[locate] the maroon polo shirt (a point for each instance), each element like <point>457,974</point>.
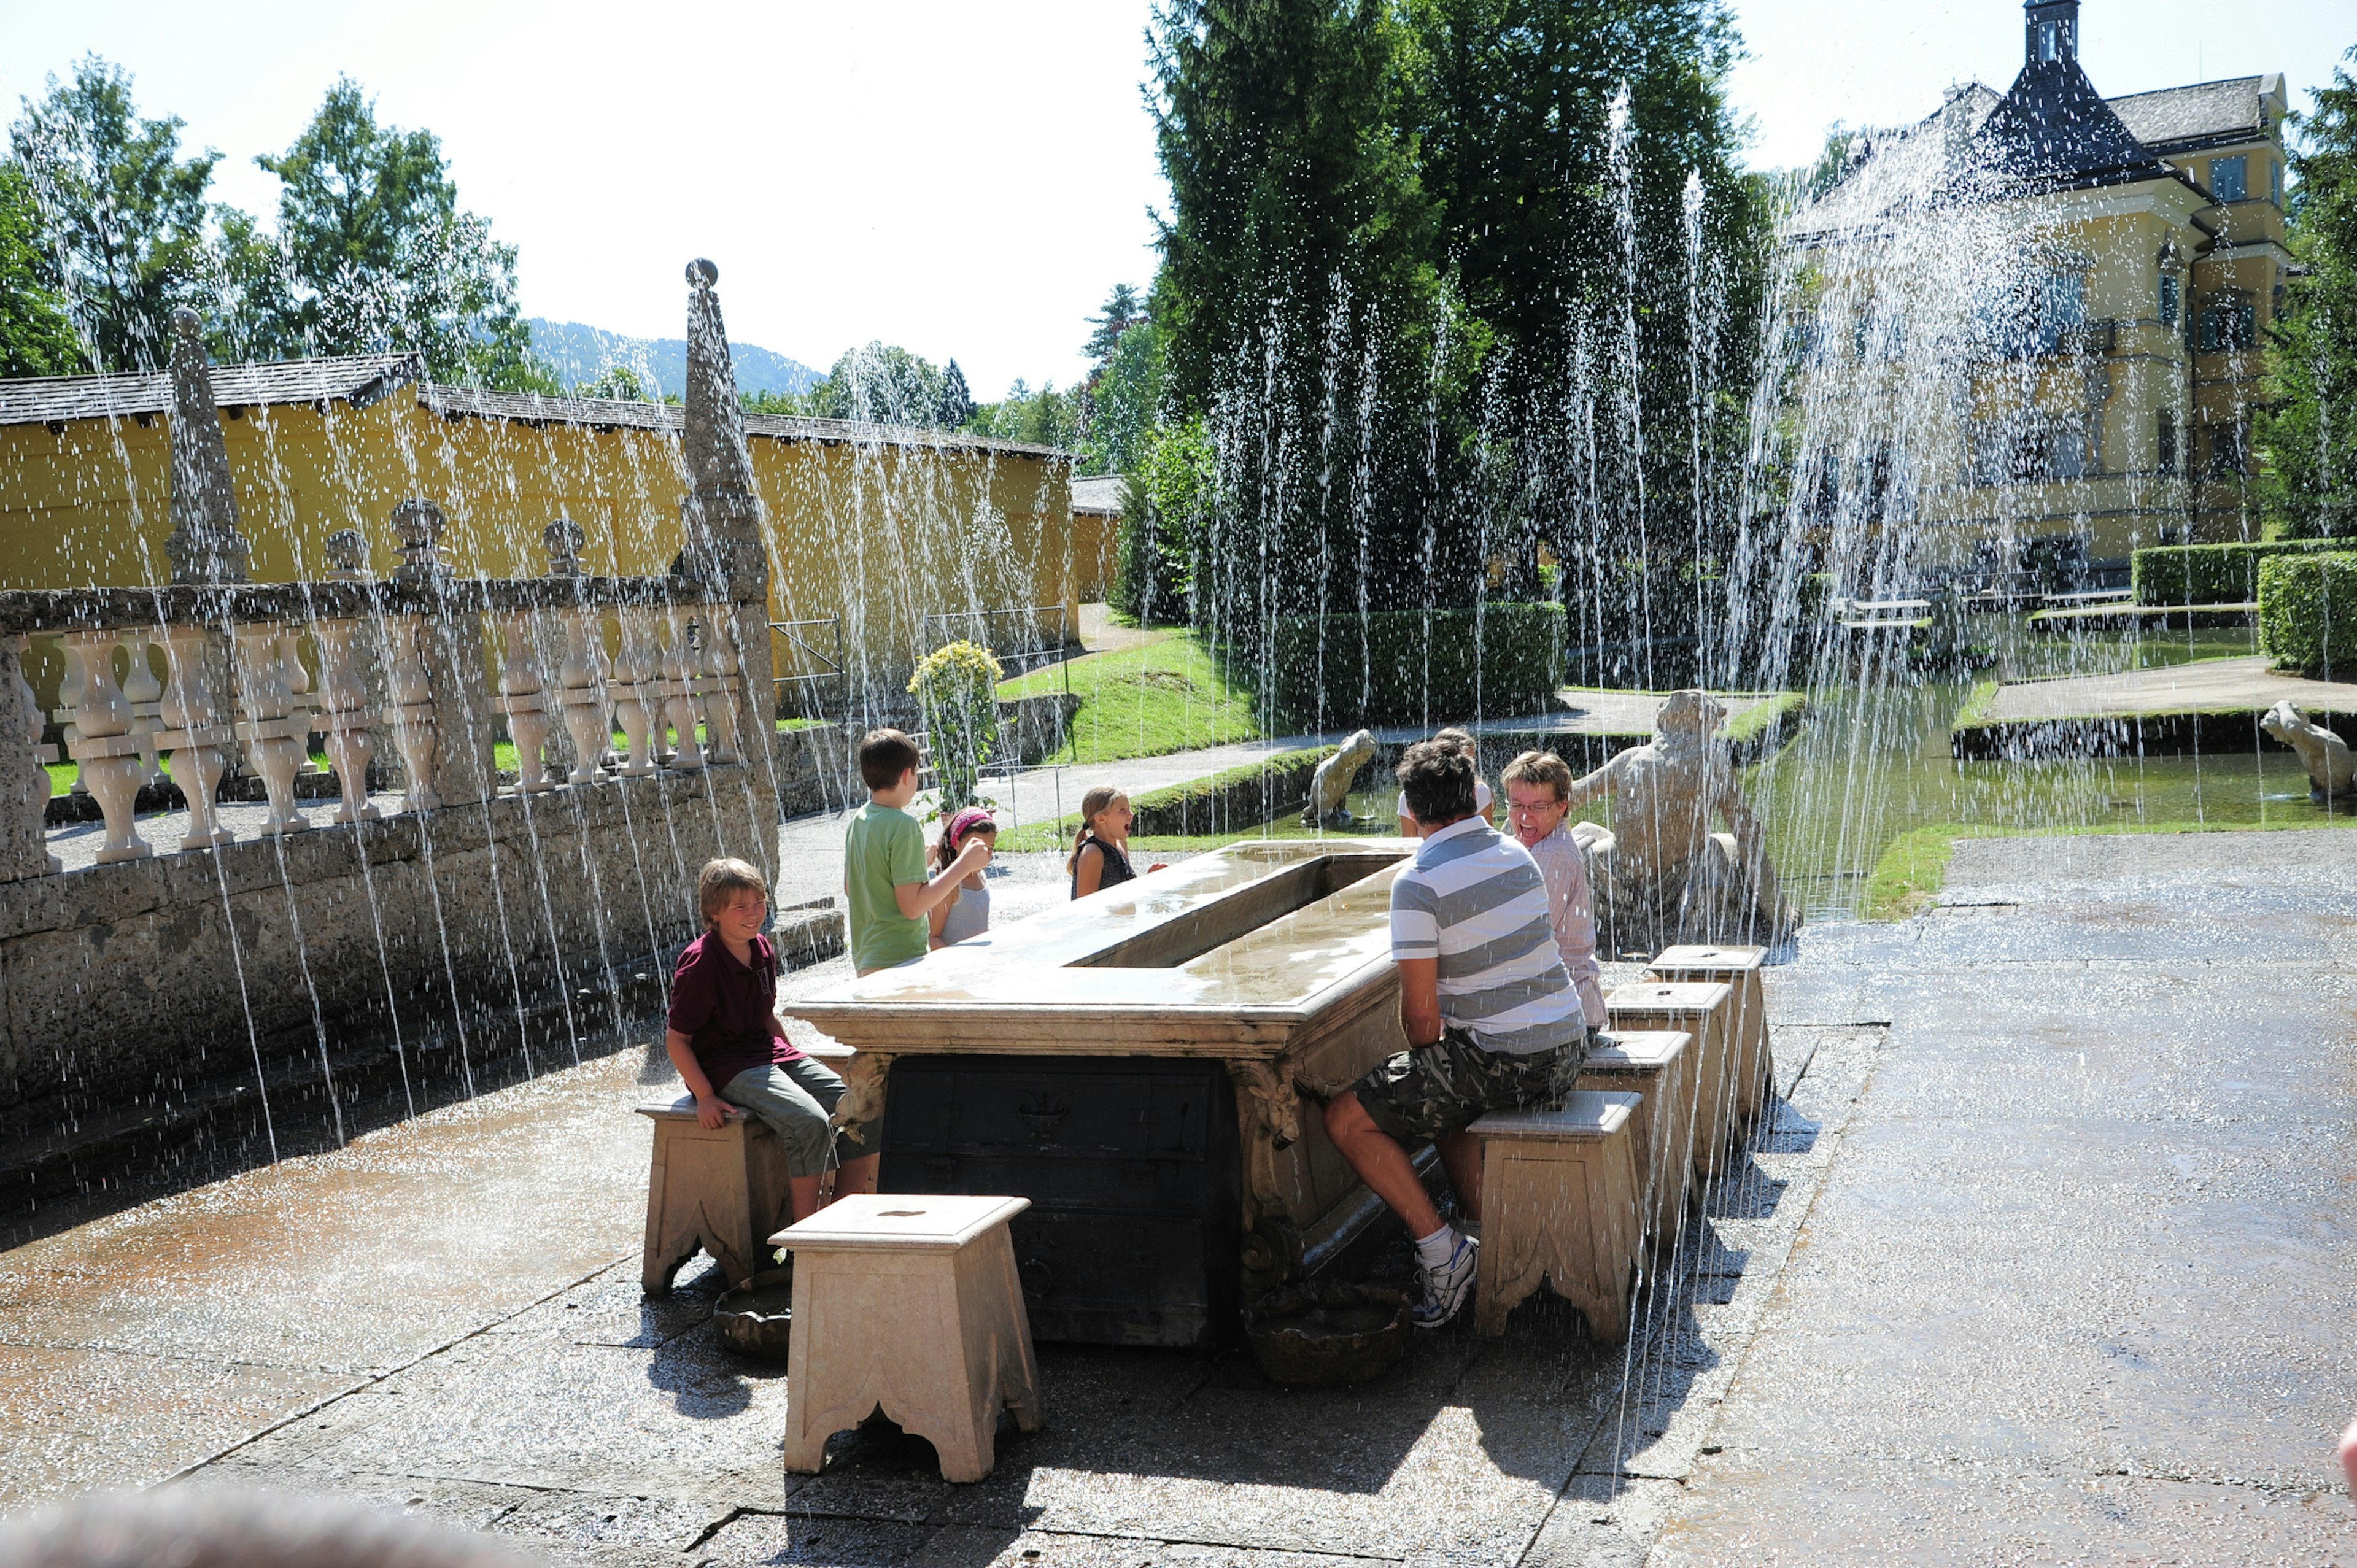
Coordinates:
<point>723,1007</point>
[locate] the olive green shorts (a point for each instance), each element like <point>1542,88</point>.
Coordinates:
<point>1449,1085</point>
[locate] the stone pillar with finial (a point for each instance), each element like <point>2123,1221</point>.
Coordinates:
<point>726,529</point>
<point>447,642</point>
<point>205,545</point>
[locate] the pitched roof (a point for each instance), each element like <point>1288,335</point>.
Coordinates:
<point>1891,171</point>
<point>358,378</point>
<point>2054,131</point>
<point>1104,493</point>
<point>2183,119</point>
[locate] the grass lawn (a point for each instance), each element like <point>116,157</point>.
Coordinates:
<point>1165,696</point>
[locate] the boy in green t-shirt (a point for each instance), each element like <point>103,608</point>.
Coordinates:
<point>884,859</point>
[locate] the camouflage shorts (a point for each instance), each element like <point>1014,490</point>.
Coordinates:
<point>1452,1083</point>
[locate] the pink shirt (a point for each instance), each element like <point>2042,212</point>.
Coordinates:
<point>1573,914</point>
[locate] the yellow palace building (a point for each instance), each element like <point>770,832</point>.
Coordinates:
<point>2100,269</point>
<point>884,542</point>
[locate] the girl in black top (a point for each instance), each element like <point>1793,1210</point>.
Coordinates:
<point>1100,856</point>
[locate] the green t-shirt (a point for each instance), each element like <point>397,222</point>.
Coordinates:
<point>884,850</point>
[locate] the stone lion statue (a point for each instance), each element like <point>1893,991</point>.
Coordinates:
<point>2331,770</point>
<point>1661,874</point>
<point>1332,784</point>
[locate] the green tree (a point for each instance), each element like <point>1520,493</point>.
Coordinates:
<point>36,335</point>
<point>618,382</point>
<point>1124,307</point>
<point>2310,430</point>
<point>124,213</point>
<point>1302,307</point>
<point>1122,400</point>
<point>881,383</point>
<point>379,255</point>
<point>957,403</point>
<point>1046,417</point>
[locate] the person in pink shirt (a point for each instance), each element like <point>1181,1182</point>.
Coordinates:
<point>1538,798</point>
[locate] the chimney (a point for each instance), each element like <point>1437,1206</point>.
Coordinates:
<point>2049,32</point>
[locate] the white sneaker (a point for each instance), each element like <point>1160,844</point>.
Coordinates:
<point>1443,1291</point>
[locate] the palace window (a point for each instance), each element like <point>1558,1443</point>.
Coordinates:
<point>2167,418</point>
<point>2031,316</point>
<point>2228,325</point>
<point>2230,178</point>
<point>2274,181</point>
<point>2171,291</point>
<point>2028,448</point>
<point>2228,450</point>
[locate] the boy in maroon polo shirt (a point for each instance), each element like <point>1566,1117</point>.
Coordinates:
<point>725,1037</point>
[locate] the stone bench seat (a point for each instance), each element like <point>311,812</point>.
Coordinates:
<point>721,1190</point>
<point>1706,1012</point>
<point>908,1303</point>
<point>1751,1062</point>
<point>1658,1066</point>
<point>1560,1202</point>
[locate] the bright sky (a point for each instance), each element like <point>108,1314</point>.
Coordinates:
<point>965,180</point>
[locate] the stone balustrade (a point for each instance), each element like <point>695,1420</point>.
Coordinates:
<point>411,674</point>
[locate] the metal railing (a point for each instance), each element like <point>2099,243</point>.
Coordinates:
<point>831,666</point>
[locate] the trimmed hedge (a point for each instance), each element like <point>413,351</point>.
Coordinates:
<point>1416,666</point>
<point>2211,574</point>
<point>2307,612</point>
<point>1230,802</point>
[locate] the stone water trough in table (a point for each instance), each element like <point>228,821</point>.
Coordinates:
<point>1145,1066</point>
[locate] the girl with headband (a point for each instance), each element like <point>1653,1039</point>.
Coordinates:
<point>967,911</point>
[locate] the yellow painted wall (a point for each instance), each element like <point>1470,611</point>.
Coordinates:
<point>881,535</point>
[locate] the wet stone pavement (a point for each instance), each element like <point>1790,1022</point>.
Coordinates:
<point>2047,1257</point>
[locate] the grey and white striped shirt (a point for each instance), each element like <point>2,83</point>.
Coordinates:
<point>1474,899</point>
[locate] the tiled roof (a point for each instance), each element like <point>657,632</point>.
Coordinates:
<point>1107,493</point>
<point>2054,131</point>
<point>363,379</point>
<point>1898,170</point>
<point>2177,119</point>
<point>531,407</point>
<point>358,378</point>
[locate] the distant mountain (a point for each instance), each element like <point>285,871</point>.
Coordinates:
<point>581,353</point>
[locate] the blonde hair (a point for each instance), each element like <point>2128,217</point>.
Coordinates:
<point>1540,768</point>
<point>1092,805</point>
<point>721,880</point>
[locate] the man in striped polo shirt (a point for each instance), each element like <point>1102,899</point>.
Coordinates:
<point>1492,1015</point>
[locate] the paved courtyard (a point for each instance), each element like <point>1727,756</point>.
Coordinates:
<point>2050,1255</point>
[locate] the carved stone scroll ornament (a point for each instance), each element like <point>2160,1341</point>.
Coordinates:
<point>862,1104</point>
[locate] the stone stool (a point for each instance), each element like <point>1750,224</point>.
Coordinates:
<point>720,1191</point>
<point>1705,1011</point>
<point>1657,1066</point>
<point>1559,1201</point>
<point>910,1302</point>
<point>1754,1062</point>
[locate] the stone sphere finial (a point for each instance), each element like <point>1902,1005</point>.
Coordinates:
<point>563,540</point>
<point>417,524</point>
<point>187,322</point>
<point>703,273</point>
<point>348,554</point>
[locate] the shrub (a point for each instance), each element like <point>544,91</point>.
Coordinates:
<point>2299,597</point>
<point>957,687</point>
<point>1415,666</point>
<point>2211,573</point>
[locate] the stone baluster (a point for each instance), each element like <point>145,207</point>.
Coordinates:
<point>302,702</point>
<point>193,731</point>
<point>23,778</point>
<point>526,700</point>
<point>275,732</point>
<point>145,693</point>
<point>344,717</point>
<point>582,675</point>
<point>409,707</point>
<point>71,686</point>
<point>715,682</point>
<point>635,703</point>
<point>104,742</point>
<point>680,693</point>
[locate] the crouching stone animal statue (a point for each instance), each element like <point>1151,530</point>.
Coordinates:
<point>1331,784</point>
<point>2331,770</point>
<point>1660,875</point>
